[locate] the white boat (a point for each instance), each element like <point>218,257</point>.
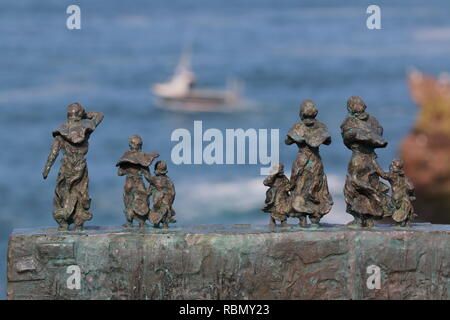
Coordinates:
<point>179,93</point>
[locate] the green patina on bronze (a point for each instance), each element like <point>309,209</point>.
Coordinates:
<point>71,202</point>
<point>305,194</point>
<point>231,262</point>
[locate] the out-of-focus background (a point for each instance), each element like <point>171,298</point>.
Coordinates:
<point>282,51</point>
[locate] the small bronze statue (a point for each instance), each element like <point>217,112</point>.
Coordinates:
<point>277,196</point>
<point>402,194</point>
<point>163,191</point>
<point>309,187</point>
<point>72,202</point>
<point>134,164</point>
<point>366,196</point>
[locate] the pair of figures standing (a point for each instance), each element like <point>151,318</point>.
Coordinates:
<point>368,198</point>
<point>306,194</point>
<point>71,202</point>
<point>135,165</point>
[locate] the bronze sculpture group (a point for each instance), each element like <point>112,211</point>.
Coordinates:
<point>304,195</point>
<point>135,165</point>
<point>72,202</point>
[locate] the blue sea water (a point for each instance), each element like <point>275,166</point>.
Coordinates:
<point>283,51</point>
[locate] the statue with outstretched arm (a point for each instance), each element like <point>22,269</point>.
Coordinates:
<point>71,202</point>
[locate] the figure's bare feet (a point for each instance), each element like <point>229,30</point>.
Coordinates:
<point>272,222</point>
<point>284,224</point>
<point>356,223</point>
<point>405,224</point>
<point>303,222</point>
<point>78,227</point>
<point>314,221</point>
<point>165,225</point>
<point>370,223</point>
<point>63,227</point>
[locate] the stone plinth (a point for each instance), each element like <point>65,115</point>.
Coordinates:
<point>230,262</point>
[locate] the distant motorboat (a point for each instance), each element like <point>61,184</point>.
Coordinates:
<point>179,93</point>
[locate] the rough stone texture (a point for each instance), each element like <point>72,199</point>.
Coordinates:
<point>231,262</point>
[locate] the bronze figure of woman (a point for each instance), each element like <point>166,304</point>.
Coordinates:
<point>134,164</point>
<point>309,187</point>
<point>72,202</point>
<point>366,196</point>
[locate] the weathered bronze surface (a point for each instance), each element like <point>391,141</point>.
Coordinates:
<point>366,196</point>
<point>230,262</point>
<point>310,196</point>
<point>134,164</point>
<point>163,191</point>
<point>402,193</point>
<point>72,202</point>
<point>277,196</point>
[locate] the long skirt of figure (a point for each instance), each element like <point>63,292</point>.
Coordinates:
<point>404,213</point>
<point>277,201</point>
<point>277,205</point>
<point>366,196</point>
<point>136,201</point>
<point>162,211</point>
<point>310,196</point>
<point>71,202</point>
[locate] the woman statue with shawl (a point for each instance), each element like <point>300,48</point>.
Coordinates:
<point>72,202</point>
<point>309,188</point>
<point>366,196</point>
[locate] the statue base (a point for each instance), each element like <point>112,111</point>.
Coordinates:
<point>231,262</point>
